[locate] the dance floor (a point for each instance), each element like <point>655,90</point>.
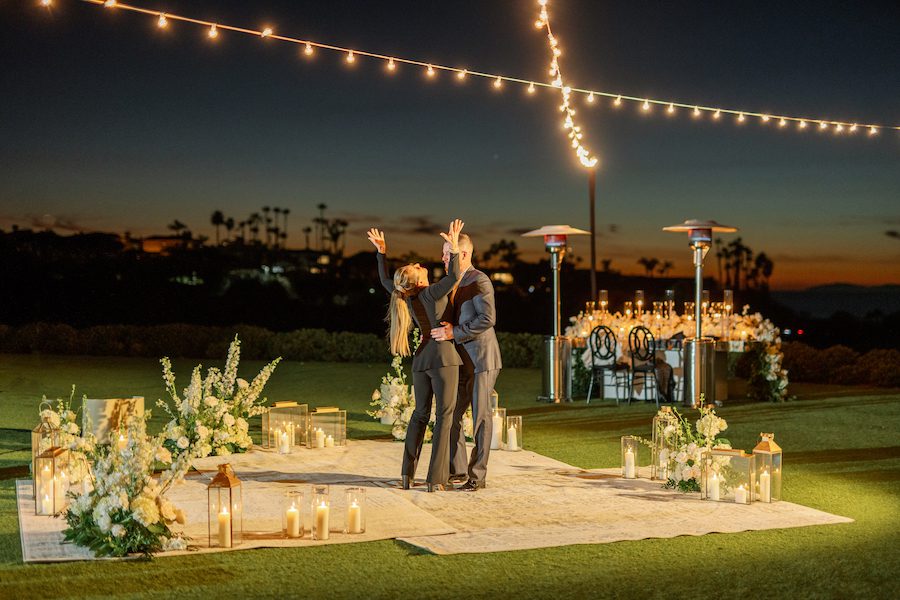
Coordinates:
<point>531,502</point>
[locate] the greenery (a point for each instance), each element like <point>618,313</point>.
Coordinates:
<point>843,365</point>
<point>841,456</point>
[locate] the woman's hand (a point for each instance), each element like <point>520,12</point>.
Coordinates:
<point>452,235</point>
<point>377,239</point>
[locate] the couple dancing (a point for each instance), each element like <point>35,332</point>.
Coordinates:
<point>456,363</point>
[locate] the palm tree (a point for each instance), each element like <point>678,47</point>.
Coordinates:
<point>719,256</point>
<point>606,262</point>
<point>277,212</point>
<point>284,213</point>
<point>306,231</point>
<point>649,264</point>
<point>321,224</point>
<point>665,267</point>
<point>229,225</point>
<point>266,210</point>
<point>217,219</point>
<point>254,225</point>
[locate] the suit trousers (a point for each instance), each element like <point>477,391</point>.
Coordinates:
<point>475,391</point>
<point>441,384</point>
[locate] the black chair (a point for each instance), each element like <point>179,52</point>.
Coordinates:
<point>642,347</point>
<point>602,343</point>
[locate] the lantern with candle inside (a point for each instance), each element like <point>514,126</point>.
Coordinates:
<point>355,521</point>
<point>513,433</point>
<point>629,309</point>
<point>226,509</point>
<point>43,437</point>
<point>284,425</point>
<point>321,512</point>
<point>327,428</point>
<point>292,514</point>
<point>670,304</point>
<point>639,302</point>
<point>768,469</point>
<point>603,301</point>
<point>495,401</point>
<point>727,475</point>
<point>51,482</point>
<point>498,428</point>
<point>663,447</point>
<point>630,456</point>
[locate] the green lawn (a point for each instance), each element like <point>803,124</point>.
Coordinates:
<point>842,453</point>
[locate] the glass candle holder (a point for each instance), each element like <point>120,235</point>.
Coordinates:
<point>225,509</point>
<point>704,302</point>
<point>513,433</point>
<point>284,425</point>
<point>327,428</point>
<point>43,437</point>
<point>670,303</point>
<point>495,400</point>
<point>629,457</point>
<point>689,311</point>
<point>603,301</point>
<point>629,309</point>
<point>498,428</point>
<point>321,512</point>
<point>292,514</point>
<point>664,432</point>
<point>727,475</point>
<point>768,469</point>
<point>355,521</point>
<point>639,302</point>
<point>50,481</point>
<point>589,307</point>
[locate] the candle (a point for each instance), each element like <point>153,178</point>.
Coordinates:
<point>320,438</point>
<point>322,521</point>
<point>284,445</point>
<point>629,464</point>
<point>293,521</point>
<point>46,505</point>
<point>496,431</point>
<point>713,486</point>
<point>122,441</point>
<point>740,495</point>
<point>512,440</point>
<point>225,528</point>
<point>329,441</point>
<point>663,465</point>
<point>354,518</point>
<point>765,487</point>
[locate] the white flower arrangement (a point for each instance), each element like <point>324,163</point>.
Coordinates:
<point>66,420</point>
<point>211,416</point>
<point>125,510</point>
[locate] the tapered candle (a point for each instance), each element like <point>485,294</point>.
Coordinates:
<point>629,464</point>
<point>225,528</point>
<point>322,521</point>
<point>354,518</point>
<point>292,516</point>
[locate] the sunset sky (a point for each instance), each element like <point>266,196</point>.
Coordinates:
<point>111,124</point>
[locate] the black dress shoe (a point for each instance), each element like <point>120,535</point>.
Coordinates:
<point>458,478</point>
<point>407,482</point>
<point>471,486</point>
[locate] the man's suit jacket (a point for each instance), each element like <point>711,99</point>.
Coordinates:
<point>474,315</point>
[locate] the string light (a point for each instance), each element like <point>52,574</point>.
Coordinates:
<point>461,74</point>
<point>46,3</point>
<point>543,22</point>
<point>498,83</point>
<point>671,109</point>
<point>391,66</point>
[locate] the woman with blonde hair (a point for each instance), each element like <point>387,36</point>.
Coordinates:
<point>435,365</point>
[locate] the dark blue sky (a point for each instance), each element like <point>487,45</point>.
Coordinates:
<point>108,123</point>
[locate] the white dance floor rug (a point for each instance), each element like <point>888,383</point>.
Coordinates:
<point>531,502</point>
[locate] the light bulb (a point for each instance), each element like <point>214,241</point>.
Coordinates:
<point>46,2</point>
<point>266,32</point>
<point>462,74</point>
<point>671,109</point>
<point>802,125</point>
<point>618,101</point>
<point>696,112</point>
<point>782,123</point>
<point>645,105</point>
<point>838,128</point>
<point>351,57</point>
<point>430,71</point>
<point>308,49</point>
<point>740,117</point>
<point>873,130</point>
<point>498,82</point>
<point>590,97</point>
<point>717,114</point>
<point>531,88</point>
<point>162,22</point>
<point>391,66</point>
<point>823,125</point>
<point>538,24</point>
<point>765,118</point>
<point>853,128</point>
<point>109,3</point>
<point>213,32</point>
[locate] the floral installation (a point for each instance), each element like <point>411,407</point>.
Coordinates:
<point>65,420</point>
<point>684,442</point>
<point>123,510</point>
<point>211,415</point>
<point>768,380</point>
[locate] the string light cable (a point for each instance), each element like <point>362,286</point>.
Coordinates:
<point>213,29</point>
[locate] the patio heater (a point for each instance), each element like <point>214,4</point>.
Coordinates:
<point>699,352</point>
<point>557,385</point>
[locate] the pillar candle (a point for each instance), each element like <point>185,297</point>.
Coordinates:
<point>293,521</point>
<point>740,495</point>
<point>629,464</point>
<point>496,431</point>
<point>225,528</point>
<point>46,505</point>
<point>663,465</point>
<point>322,521</point>
<point>713,486</point>
<point>329,442</point>
<point>512,439</point>
<point>765,487</point>
<point>122,441</point>
<point>284,444</point>
<point>354,518</point>
<point>320,438</point>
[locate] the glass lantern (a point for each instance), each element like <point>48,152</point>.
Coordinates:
<point>292,514</point>
<point>284,425</point>
<point>51,481</point>
<point>727,475</point>
<point>356,510</point>
<point>226,509</point>
<point>495,401</point>
<point>768,469</point>
<point>629,309</point>
<point>670,304</point>
<point>327,428</point>
<point>43,437</point>
<point>663,446</point>
<point>603,301</point>
<point>639,302</point>
<point>498,428</point>
<point>513,433</point>
<point>689,311</point>
<point>630,446</point>
<point>321,508</point>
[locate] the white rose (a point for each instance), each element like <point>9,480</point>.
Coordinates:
<point>228,420</point>
<point>210,401</point>
<point>72,428</point>
<point>183,442</point>
<point>104,523</point>
<point>118,530</point>
<point>242,424</point>
<point>681,457</point>
<point>202,432</point>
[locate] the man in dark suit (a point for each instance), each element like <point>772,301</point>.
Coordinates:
<point>469,322</point>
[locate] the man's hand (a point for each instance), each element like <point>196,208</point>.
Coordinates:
<point>443,333</point>
<point>377,239</point>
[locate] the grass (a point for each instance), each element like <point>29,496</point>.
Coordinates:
<point>841,450</point>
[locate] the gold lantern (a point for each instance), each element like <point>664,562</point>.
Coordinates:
<point>768,469</point>
<point>284,426</point>
<point>727,475</point>
<point>226,509</point>
<point>663,443</point>
<point>327,428</point>
<point>51,481</point>
<point>43,437</point>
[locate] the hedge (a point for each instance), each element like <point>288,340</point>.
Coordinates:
<point>199,341</point>
<point>841,365</point>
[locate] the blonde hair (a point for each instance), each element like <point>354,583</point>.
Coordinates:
<point>405,282</point>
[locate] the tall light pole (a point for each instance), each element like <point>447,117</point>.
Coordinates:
<point>592,195</point>
<point>557,348</point>
<point>699,352</point>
